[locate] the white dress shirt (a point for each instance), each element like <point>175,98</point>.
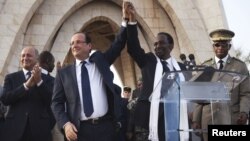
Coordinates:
<point>170,64</point>
<point>217,61</point>
<point>98,91</point>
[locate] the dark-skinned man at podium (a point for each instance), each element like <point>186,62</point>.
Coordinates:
<point>149,116</point>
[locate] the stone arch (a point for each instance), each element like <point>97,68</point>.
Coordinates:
<point>46,24</point>
<point>40,23</point>
<point>190,28</point>
<point>149,25</point>
<point>13,30</point>
<point>77,22</point>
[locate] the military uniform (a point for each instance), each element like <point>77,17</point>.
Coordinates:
<point>239,94</point>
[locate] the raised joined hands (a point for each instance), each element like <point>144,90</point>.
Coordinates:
<point>128,11</point>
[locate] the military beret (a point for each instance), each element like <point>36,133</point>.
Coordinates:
<point>221,35</point>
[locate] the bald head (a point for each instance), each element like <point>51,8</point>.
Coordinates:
<point>29,56</point>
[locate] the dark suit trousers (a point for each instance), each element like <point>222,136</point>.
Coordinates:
<point>161,124</point>
<point>103,131</point>
<point>27,135</point>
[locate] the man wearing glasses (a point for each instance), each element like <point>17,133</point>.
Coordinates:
<point>240,94</point>
<point>93,101</point>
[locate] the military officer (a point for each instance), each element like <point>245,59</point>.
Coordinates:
<point>239,104</point>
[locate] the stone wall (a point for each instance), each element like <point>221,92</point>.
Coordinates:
<point>49,24</point>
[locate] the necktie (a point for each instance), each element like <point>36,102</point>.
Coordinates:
<point>28,74</point>
<point>165,66</point>
<point>221,64</point>
<point>86,92</point>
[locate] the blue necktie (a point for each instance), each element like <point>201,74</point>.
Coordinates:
<point>86,92</point>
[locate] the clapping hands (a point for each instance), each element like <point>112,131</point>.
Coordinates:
<point>35,77</point>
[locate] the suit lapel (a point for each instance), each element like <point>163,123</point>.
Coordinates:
<point>21,76</point>
<point>74,79</point>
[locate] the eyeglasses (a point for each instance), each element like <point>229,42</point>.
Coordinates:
<point>223,45</point>
<point>77,42</point>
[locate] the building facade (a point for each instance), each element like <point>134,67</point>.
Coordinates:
<point>49,25</point>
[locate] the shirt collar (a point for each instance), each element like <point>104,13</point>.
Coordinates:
<point>169,60</point>
<point>78,62</point>
<point>25,71</point>
<point>223,59</point>
<point>170,64</point>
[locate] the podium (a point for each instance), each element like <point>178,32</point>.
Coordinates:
<point>210,89</point>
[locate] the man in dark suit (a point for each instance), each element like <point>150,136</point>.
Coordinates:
<point>148,63</point>
<point>46,61</point>
<point>28,94</point>
<point>91,120</point>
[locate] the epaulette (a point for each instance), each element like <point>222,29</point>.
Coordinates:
<point>237,59</point>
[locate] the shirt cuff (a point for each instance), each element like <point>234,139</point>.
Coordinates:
<point>65,124</point>
<point>26,87</point>
<point>39,83</point>
<point>124,23</point>
<point>132,23</point>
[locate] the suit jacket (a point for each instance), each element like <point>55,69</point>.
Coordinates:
<point>27,106</point>
<point>147,63</point>
<point>52,117</point>
<point>240,95</point>
<point>66,89</point>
